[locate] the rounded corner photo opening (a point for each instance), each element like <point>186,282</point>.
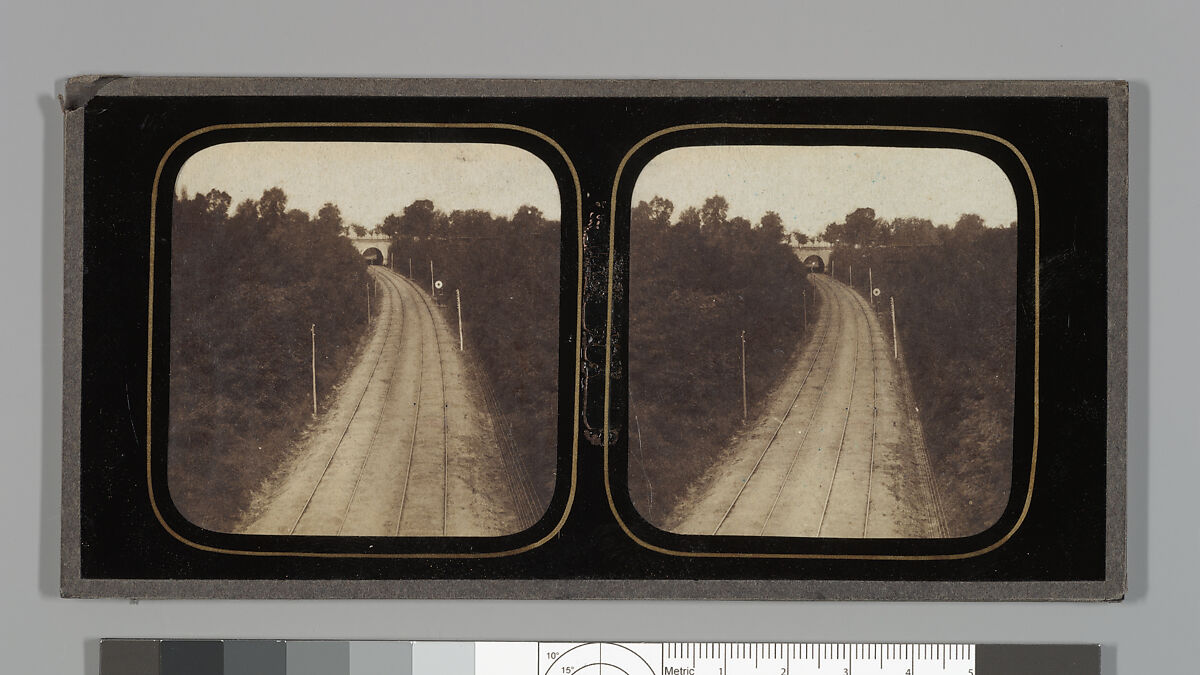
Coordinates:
<point>822,341</point>
<point>364,339</point>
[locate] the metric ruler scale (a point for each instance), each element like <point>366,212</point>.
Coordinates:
<point>387,657</point>
<point>740,658</point>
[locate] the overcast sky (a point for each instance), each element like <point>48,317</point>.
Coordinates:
<point>812,186</point>
<point>368,181</point>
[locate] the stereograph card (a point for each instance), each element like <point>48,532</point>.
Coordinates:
<point>572,339</point>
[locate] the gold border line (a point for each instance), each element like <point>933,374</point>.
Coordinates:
<point>379,125</point>
<point>1036,343</point>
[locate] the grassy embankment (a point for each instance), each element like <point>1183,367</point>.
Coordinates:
<point>245,291</point>
<point>956,318</point>
<point>507,271</point>
<point>693,290</point>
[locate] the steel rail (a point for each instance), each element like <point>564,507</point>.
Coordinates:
<point>346,430</point>
<point>775,434</point>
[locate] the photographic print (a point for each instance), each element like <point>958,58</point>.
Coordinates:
<point>850,371</point>
<point>594,339</point>
<point>354,350</point>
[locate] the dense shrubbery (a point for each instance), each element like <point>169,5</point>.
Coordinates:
<point>695,285</point>
<point>507,270</point>
<point>245,289</point>
<point>955,291</point>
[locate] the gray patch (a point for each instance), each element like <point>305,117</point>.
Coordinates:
<point>1037,659</point>
<point>318,657</point>
<point>443,658</point>
<point>129,657</point>
<point>255,657</point>
<point>381,658</point>
<point>192,657</point>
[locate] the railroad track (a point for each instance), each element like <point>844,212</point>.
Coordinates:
<point>841,455</point>
<point>354,416</point>
<point>379,461</point>
<point>936,514</point>
<point>437,340</point>
<point>378,418</point>
<point>874,427</point>
<point>771,442</point>
<point>386,364</point>
<point>846,423</point>
<point>812,383</point>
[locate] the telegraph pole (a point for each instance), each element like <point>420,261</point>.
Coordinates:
<point>895,340</point>
<point>314,368</point>
<point>458,297</point>
<point>410,268</point>
<point>745,409</point>
<point>804,295</point>
<point>432,288</point>
<point>368,303</point>
<point>871,284</point>
<point>851,275</point>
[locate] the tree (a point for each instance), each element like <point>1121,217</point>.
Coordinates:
<point>913,232</point>
<point>689,219</point>
<point>771,226</point>
<point>272,207</point>
<point>740,225</point>
<point>441,224</point>
<point>297,218</point>
<point>640,215</point>
<point>418,219</point>
<point>661,209</point>
<point>359,230</point>
<point>217,205</point>
<point>771,220</point>
<point>392,226</point>
<point>714,212</point>
<point>967,229</point>
<point>834,233</point>
<point>527,217</point>
<point>861,227</point>
<point>471,222</point>
<point>969,223</point>
<point>329,218</point>
<point>246,214</point>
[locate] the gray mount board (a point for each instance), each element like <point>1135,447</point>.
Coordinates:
<point>76,583</point>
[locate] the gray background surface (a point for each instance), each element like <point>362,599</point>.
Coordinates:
<point>1148,43</point>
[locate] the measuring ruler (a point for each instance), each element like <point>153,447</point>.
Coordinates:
<point>376,657</point>
<point>739,658</point>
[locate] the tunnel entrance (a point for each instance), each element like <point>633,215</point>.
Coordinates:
<point>815,263</point>
<point>374,256</point>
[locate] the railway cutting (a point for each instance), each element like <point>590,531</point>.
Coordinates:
<point>407,446</point>
<point>838,451</point>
